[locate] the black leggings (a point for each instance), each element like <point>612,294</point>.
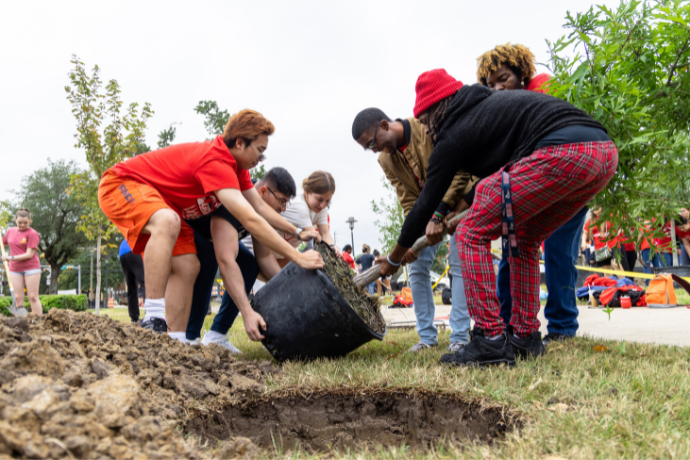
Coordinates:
<point>133,266</point>
<point>627,258</point>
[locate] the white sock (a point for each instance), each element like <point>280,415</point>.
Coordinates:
<point>155,308</point>
<point>214,335</point>
<point>181,336</point>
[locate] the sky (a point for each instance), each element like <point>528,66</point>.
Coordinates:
<point>308,66</point>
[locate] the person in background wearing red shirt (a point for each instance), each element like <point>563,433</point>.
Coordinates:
<point>147,197</point>
<point>347,256</point>
<point>512,67</point>
<point>25,268</point>
<point>684,235</point>
<point>599,233</point>
<point>664,254</point>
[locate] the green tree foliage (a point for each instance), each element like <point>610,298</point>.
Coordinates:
<point>104,145</point>
<point>390,217</point>
<point>214,118</point>
<point>631,74</point>
<point>167,136</point>
<point>54,214</point>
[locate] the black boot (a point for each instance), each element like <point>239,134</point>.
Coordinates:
<point>482,352</point>
<point>529,347</point>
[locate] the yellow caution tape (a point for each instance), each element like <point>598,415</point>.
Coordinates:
<point>606,271</point>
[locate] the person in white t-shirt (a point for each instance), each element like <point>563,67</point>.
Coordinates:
<point>309,210</point>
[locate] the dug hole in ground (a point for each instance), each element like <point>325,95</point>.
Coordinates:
<point>346,419</point>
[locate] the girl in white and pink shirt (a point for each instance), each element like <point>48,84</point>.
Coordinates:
<point>25,268</point>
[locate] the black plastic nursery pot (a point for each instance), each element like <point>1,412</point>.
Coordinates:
<point>307,318</point>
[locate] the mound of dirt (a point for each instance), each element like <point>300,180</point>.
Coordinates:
<point>365,305</point>
<point>77,385</point>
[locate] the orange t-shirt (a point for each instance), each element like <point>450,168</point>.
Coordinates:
<point>186,175</point>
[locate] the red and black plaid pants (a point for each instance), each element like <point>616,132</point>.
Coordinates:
<point>548,188</point>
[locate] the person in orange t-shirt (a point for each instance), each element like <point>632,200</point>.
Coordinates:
<point>147,197</point>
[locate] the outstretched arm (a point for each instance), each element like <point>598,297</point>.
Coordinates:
<point>239,207</point>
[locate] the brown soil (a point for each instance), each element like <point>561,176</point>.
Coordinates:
<point>326,421</point>
<point>365,305</point>
<point>77,385</point>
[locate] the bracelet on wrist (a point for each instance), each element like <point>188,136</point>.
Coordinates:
<point>439,215</point>
<point>435,219</point>
<point>388,258</point>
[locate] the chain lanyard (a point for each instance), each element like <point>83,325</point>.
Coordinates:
<point>508,237</point>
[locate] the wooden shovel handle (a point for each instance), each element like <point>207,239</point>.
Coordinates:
<point>369,276</point>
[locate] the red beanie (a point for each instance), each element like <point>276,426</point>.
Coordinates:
<point>431,87</point>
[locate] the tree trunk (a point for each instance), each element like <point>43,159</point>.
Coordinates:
<point>673,242</point>
<point>98,272</point>
<point>54,273</point>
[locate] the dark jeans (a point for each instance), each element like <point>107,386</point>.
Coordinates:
<point>204,284</point>
<point>684,258</point>
<point>201,297</point>
<point>662,259</point>
<point>560,255</point>
<point>133,266</point>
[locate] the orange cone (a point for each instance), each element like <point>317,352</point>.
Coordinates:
<point>111,303</point>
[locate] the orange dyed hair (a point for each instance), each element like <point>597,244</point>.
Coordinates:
<point>248,125</point>
<point>518,57</point>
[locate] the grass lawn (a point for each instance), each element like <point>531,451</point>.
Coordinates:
<point>623,401</point>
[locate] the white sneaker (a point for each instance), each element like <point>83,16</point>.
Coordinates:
<point>420,346</point>
<point>456,346</point>
<point>196,341</point>
<point>222,341</point>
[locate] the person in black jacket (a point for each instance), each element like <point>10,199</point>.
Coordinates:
<point>540,160</point>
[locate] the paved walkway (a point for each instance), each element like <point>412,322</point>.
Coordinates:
<point>650,325</point>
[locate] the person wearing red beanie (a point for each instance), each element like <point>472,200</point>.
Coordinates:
<point>512,67</point>
<point>540,160</point>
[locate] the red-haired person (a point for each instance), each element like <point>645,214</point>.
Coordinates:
<point>25,267</point>
<point>148,196</point>
<point>513,67</point>
<point>539,160</point>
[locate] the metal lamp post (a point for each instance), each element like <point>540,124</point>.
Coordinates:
<point>352,221</point>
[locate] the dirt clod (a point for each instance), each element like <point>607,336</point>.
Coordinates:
<point>77,385</point>
<point>365,305</point>
<point>339,421</point>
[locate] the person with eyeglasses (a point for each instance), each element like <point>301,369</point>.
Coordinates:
<point>148,196</point>
<point>309,210</point>
<point>254,259</point>
<point>403,152</point>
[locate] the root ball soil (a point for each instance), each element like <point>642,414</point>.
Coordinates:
<point>77,385</point>
<point>339,421</point>
<point>365,305</point>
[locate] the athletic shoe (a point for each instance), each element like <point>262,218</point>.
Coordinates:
<point>157,325</point>
<point>135,323</point>
<point>420,346</point>
<point>482,352</point>
<point>195,342</point>
<point>222,341</point>
<point>456,346</point>
<point>555,337</point>
<point>529,347</point>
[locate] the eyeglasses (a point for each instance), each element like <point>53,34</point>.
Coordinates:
<point>372,144</point>
<point>282,201</point>
<point>262,157</point>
